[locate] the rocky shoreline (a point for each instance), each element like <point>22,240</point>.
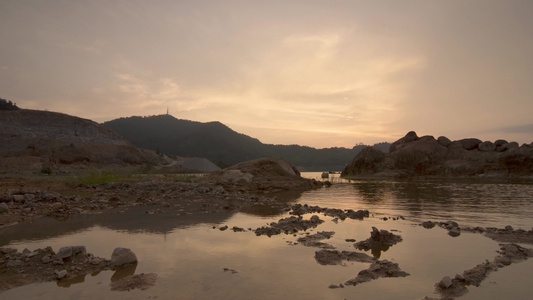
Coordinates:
<point>413,156</point>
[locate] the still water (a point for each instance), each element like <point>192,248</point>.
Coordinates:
<point>190,256</point>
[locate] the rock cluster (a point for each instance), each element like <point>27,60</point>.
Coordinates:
<point>314,240</point>
<point>299,209</point>
<point>422,156</point>
<point>289,225</point>
<point>335,257</point>
<point>508,254</point>
<point>20,268</point>
<point>380,240</point>
<point>264,175</point>
<point>379,268</point>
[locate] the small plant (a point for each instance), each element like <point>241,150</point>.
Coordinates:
<point>46,170</point>
<point>96,178</point>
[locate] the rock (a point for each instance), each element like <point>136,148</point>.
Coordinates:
<point>237,229</point>
<point>486,146</point>
<point>428,224</point>
<point>289,225</point>
<point>46,259</point>
<point>507,146</point>
<point>335,257</point>
<point>18,198</point>
<point>378,269</point>
<point>261,175</point>
<point>445,282</point>
<point>380,240</point>
<point>470,143</point>
<point>454,232</point>
<point>444,141</point>
<point>61,274</point>
<point>4,209</point>
<point>121,257</point>
<point>312,240</point>
<point>409,137</point>
<point>364,162</point>
<point>13,263</point>
<point>499,143</point>
<point>218,190</point>
<point>64,253</point>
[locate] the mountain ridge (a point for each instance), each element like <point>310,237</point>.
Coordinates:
<point>222,145</point>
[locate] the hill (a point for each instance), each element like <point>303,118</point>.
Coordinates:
<point>220,144</point>
<point>32,139</point>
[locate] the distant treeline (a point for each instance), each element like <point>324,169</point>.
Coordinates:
<point>223,146</point>
<point>7,105</point>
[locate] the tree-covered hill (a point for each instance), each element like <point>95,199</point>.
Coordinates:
<point>220,144</point>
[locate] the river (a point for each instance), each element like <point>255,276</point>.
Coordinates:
<point>189,255</point>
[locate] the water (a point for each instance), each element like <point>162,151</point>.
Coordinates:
<point>189,255</point>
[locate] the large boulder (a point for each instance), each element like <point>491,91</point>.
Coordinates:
<point>261,175</point>
<point>367,161</point>
<point>444,141</point>
<point>122,257</point>
<point>486,146</point>
<point>411,136</point>
<point>470,143</point>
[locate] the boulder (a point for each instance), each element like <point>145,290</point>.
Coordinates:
<point>122,257</point>
<point>470,143</point>
<point>507,146</point>
<point>261,175</point>
<point>411,136</point>
<point>486,146</point>
<point>499,143</point>
<point>64,253</point>
<point>444,141</point>
<point>365,162</point>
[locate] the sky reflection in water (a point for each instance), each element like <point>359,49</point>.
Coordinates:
<point>189,255</point>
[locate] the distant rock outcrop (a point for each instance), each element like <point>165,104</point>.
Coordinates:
<point>420,156</point>
<point>33,139</point>
<point>261,175</point>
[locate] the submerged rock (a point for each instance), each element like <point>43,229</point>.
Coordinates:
<point>379,268</point>
<point>289,225</point>
<point>380,240</point>
<point>335,257</point>
<point>313,240</point>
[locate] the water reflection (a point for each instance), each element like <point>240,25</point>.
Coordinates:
<point>135,220</point>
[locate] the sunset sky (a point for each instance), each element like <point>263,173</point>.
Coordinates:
<point>316,73</point>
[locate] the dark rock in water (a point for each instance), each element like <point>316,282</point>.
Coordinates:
<point>378,269</point>
<point>454,232</point>
<point>122,257</point>
<point>313,240</point>
<point>380,240</point>
<point>289,225</point>
<point>335,257</point>
<point>428,224</point>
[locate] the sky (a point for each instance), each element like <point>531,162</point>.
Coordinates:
<point>315,73</point>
